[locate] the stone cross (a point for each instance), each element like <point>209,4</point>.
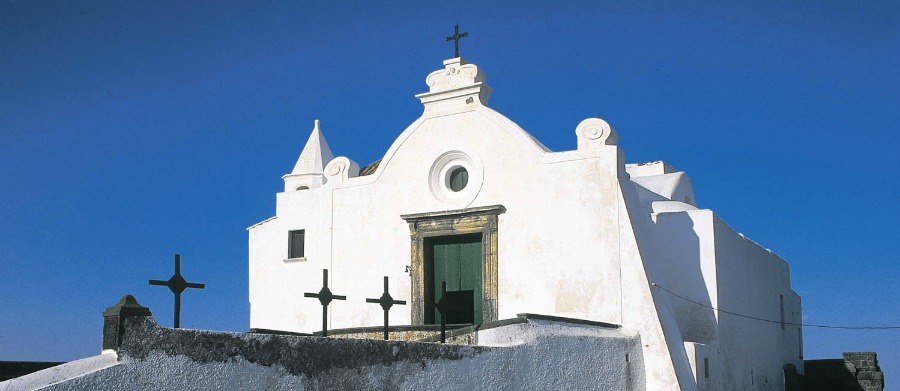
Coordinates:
<point>455,38</point>
<point>177,284</point>
<point>386,302</point>
<point>325,297</point>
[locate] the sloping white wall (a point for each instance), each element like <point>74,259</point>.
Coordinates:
<point>750,280</point>
<point>708,263</point>
<point>685,252</point>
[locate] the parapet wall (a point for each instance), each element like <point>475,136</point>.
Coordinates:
<point>530,354</point>
<point>864,366</point>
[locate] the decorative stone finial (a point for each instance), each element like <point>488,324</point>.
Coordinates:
<point>127,306</point>
<point>340,169</point>
<point>114,317</point>
<point>595,132</point>
<point>456,73</point>
<point>458,87</point>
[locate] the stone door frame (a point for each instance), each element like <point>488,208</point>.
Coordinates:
<point>448,223</point>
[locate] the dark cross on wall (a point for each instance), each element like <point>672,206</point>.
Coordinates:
<point>177,284</point>
<point>325,297</point>
<point>455,38</point>
<point>443,306</point>
<point>386,302</point>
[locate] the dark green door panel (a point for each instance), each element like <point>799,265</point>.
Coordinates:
<point>456,260</point>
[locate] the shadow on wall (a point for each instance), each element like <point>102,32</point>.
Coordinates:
<point>678,248</point>
<point>14,369</point>
<point>855,372</point>
<point>829,375</point>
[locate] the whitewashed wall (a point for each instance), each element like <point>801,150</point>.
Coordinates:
<point>750,280</point>
<point>557,239</point>
<point>707,262</point>
<point>580,238</point>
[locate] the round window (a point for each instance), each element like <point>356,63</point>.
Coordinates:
<point>457,179</point>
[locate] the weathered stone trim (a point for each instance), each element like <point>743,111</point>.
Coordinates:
<point>563,319</point>
<point>483,220</point>
<point>477,327</point>
<point>255,330</point>
<point>379,329</point>
<point>395,333</point>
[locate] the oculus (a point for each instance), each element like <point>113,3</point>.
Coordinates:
<point>456,178</point>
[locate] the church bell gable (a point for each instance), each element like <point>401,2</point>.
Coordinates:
<point>309,170</point>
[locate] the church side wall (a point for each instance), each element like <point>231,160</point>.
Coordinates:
<point>750,280</point>
<point>685,251</point>
<point>647,309</point>
<point>705,261</point>
<point>276,287</point>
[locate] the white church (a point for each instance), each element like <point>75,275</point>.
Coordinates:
<point>466,197</point>
<point>567,270</point>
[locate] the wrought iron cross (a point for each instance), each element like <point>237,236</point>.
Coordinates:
<point>177,284</point>
<point>443,306</point>
<point>386,302</point>
<point>455,38</point>
<point>325,297</point>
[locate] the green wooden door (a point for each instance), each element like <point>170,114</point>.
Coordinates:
<point>457,260</point>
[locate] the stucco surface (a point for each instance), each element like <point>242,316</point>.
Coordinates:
<point>583,236</point>
<point>354,229</point>
<point>547,355</point>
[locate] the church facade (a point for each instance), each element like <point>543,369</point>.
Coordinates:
<point>467,198</point>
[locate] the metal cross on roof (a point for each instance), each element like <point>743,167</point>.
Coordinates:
<point>177,284</point>
<point>455,38</point>
<point>443,306</point>
<point>325,297</point>
<point>386,302</point>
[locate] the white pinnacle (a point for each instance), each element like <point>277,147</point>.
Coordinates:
<point>315,155</point>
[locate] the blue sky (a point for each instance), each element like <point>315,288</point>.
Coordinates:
<point>130,132</point>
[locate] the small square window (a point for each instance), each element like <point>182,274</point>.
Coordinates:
<point>706,368</point>
<point>781,300</point>
<point>295,243</point>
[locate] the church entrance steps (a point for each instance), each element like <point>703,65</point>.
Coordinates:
<point>457,334</point>
<point>468,335</point>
